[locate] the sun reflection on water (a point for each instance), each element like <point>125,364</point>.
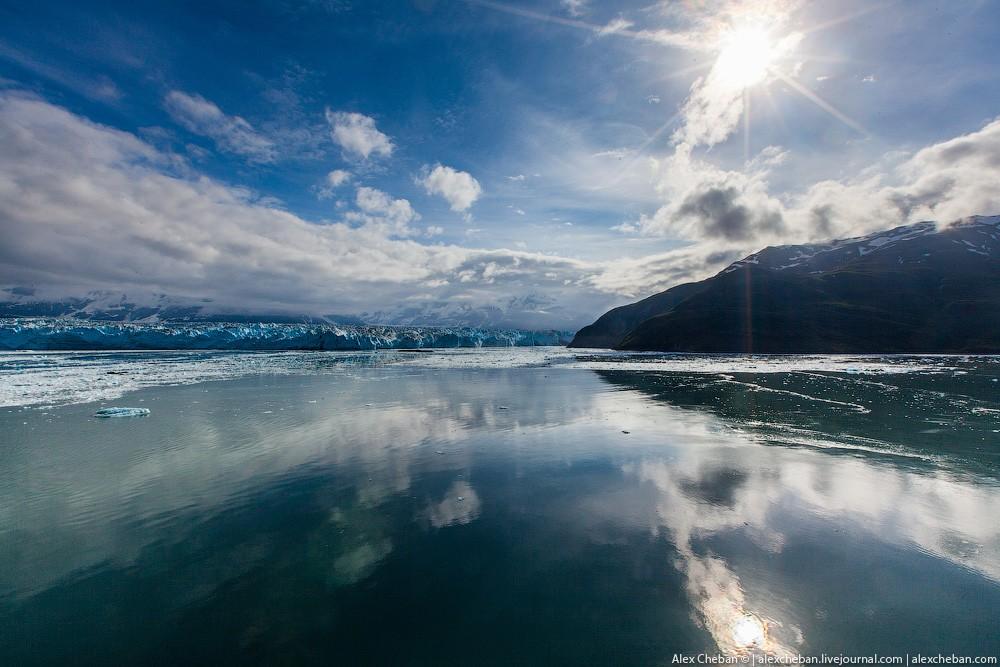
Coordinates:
<point>749,631</point>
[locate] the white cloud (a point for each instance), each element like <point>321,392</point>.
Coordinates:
<point>575,7</point>
<point>100,88</point>
<point>230,133</point>
<point>338,177</point>
<point>614,26</point>
<point>458,188</point>
<point>357,134</point>
<point>334,180</point>
<point>942,182</point>
<point>84,206</point>
<point>379,210</point>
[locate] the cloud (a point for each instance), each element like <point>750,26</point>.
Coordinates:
<point>943,182</point>
<point>100,88</point>
<point>718,213</point>
<point>458,188</point>
<point>714,106</point>
<point>84,206</point>
<point>338,177</point>
<point>460,505</point>
<point>379,210</point>
<point>87,207</point>
<point>334,180</point>
<point>231,134</point>
<point>357,134</point>
<point>614,26</point>
<point>574,7</point>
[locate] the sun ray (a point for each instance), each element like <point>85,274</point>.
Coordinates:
<point>700,67</point>
<point>820,102</point>
<point>775,110</point>
<point>641,150</point>
<point>746,127</point>
<point>846,17</point>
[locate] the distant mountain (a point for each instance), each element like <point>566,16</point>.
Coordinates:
<point>531,311</point>
<point>118,307</point>
<point>919,288</point>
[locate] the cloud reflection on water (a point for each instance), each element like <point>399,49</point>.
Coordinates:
<point>379,438</point>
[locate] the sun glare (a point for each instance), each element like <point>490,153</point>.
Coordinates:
<point>749,631</point>
<point>746,55</point>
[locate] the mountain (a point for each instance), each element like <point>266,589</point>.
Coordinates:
<point>535,312</point>
<point>919,288</point>
<point>150,308</point>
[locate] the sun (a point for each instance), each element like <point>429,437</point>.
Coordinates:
<point>745,57</point>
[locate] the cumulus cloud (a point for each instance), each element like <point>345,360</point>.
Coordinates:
<point>942,182</point>
<point>706,203</point>
<point>334,180</point>
<point>379,210</point>
<point>357,134</point>
<point>231,134</point>
<point>718,213</point>
<point>458,188</point>
<point>338,177</point>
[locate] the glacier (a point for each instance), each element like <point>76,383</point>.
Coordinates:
<point>73,334</point>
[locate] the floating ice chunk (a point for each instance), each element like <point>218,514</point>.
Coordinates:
<point>122,412</point>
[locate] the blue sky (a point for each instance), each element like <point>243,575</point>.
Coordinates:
<point>516,163</point>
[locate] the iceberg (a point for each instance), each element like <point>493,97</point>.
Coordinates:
<point>74,334</point>
<point>121,412</point>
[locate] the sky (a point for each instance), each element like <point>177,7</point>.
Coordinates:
<point>523,164</point>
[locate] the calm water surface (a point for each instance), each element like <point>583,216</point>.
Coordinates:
<point>497,510</point>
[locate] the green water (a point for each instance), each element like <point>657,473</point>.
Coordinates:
<point>398,515</point>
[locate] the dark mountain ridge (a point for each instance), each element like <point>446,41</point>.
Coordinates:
<point>918,288</point>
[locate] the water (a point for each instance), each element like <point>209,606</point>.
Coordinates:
<point>535,506</point>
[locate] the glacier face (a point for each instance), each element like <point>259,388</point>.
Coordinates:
<point>73,334</point>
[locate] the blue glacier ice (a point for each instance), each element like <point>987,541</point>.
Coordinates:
<point>121,412</point>
<point>73,334</point>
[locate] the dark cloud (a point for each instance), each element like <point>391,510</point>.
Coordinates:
<point>721,215</point>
